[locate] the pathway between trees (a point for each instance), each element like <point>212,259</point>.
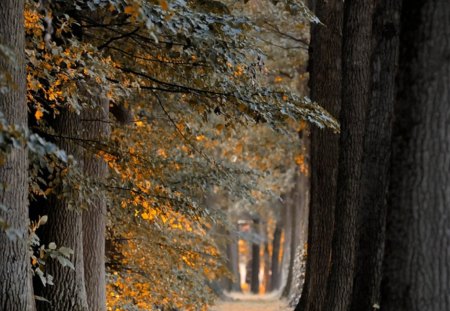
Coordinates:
<point>247,302</point>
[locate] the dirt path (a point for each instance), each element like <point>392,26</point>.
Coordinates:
<point>246,302</point>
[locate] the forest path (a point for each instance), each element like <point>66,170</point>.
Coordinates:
<point>248,302</point>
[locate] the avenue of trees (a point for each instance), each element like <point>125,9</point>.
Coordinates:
<point>139,138</point>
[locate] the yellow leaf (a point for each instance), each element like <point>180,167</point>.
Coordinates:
<point>164,5</point>
<point>130,10</point>
<point>38,114</point>
<point>144,216</point>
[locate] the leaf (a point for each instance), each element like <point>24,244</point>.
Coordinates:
<point>65,251</point>
<point>52,245</point>
<point>40,298</point>
<point>65,262</point>
<point>164,5</point>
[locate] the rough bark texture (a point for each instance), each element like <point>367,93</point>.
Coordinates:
<point>15,273</point>
<point>417,257</point>
<point>356,79</point>
<point>96,129</point>
<point>325,88</point>
<point>64,227</point>
<point>376,161</point>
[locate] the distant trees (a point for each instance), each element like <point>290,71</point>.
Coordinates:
<point>179,77</point>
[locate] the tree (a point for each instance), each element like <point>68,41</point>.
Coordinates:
<point>325,88</point>
<point>15,271</point>
<point>416,263</point>
<point>64,228</point>
<point>95,129</point>
<point>356,52</point>
<point>376,159</point>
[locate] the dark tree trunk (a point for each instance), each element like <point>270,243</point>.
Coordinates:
<point>356,80</point>
<point>64,227</point>
<point>254,283</point>
<point>325,88</point>
<point>95,128</point>
<point>376,161</point>
<point>417,257</point>
<point>266,260</point>
<point>274,282</point>
<point>15,271</point>
<point>233,263</point>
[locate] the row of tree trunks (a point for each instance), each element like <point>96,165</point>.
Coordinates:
<point>414,264</point>
<point>15,272</point>
<point>325,88</point>
<point>417,257</point>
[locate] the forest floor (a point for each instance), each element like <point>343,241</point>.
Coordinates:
<point>248,302</point>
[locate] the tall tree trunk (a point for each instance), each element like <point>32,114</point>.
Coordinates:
<point>15,272</point>
<point>377,150</point>
<point>96,128</point>
<point>254,284</point>
<point>285,259</point>
<point>274,282</point>
<point>417,257</point>
<point>325,88</point>
<point>293,241</point>
<point>64,227</point>
<point>356,79</point>
<point>233,262</point>
<point>298,234</point>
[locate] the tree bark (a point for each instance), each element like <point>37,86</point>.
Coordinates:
<point>325,88</point>
<point>417,257</point>
<point>15,271</point>
<point>95,128</point>
<point>376,161</point>
<point>64,227</point>
<point>356,79</point>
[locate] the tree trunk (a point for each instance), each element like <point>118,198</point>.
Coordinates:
<point>325,88</point>
<point>356,78</point>
<point>274,282</point>
<point>254,284</point>
<point>417,257</point>
<point>285,258</point>
<point>298,235</point>
<point>64,227</point>
<point>376,162</point>
<point>233,262</point>
<point>15,272</point>
<point>96,128</point>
